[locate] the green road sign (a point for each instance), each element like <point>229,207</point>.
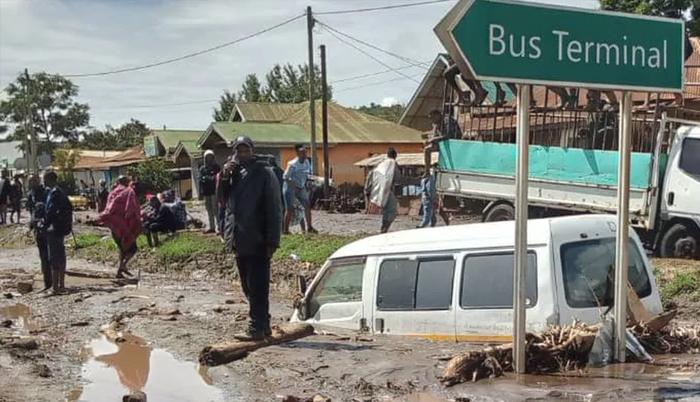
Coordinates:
<point>529,43</point>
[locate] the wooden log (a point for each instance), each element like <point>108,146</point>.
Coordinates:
<point>227,352</point>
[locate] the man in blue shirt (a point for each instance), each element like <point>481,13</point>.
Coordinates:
<point>295,178</point>
<point>428,194</point>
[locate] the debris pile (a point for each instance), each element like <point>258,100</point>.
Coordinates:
<point>348,199</point>
<point>567,348</point>
<point>669,340</point>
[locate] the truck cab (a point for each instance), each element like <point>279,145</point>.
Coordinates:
<point>679,212</point>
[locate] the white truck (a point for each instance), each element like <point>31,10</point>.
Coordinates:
<point>664,183</point>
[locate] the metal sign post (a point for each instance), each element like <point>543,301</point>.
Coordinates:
<point>622,243</point>
<point>521,189</point>
<point>527,43</point>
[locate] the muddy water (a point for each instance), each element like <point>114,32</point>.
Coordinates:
<point>21,314</point>
<point>112,370</point>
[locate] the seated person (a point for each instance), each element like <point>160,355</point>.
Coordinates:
<point>158,219</point>
<point>176,206</point>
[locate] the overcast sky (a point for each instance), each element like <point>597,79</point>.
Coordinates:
<point>89,36</point>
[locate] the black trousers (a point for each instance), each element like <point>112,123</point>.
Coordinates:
<point>254,272</point>
<point>43,247</point>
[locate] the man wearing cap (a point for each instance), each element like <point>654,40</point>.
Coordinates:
<point>253,229</point>
<point>207,187</point>
<point>295,178</point>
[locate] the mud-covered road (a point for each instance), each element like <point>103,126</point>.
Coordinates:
<point>170,317</point>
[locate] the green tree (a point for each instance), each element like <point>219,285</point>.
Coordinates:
<point>65,160</point>
<point>283,84</point>
<point>153,175</point>
<point>391,113</point>
<point>126,136</point>
<point>252,91</point>
<point>48,101</point>
<point>226,103</point>
<point>688,9</point>
<point>287,84</point>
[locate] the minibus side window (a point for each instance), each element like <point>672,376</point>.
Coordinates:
<point>588,270</point>
<point>424,284</point>
<point>487,281</point>
<point>341,283</point>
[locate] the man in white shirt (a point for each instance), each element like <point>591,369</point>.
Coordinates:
<point>295,177</point>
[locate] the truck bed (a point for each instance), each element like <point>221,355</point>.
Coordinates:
<point>563,178</point>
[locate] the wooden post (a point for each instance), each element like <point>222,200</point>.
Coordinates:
<point>324,118</point>
<point>312,77</point>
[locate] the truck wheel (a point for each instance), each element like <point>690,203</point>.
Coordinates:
<point>501,212</point>
<point>679,242</point>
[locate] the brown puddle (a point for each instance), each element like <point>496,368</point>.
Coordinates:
<point>112,370</point>
<point>22,315</point>
<point>670,379</point>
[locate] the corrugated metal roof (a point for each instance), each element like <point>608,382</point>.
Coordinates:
<point>171,138</point>
<point>402,159</point>
<point>259,112</point>
<point>128,157</point>
<point>263,133</point>
<point>347,125</point>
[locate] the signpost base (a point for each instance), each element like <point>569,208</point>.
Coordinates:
<point>622,244</point>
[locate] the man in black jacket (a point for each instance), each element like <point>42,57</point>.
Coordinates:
<point>58,222</point>
<point>207,187</point>
<point>253,228</point>
<point>37,209</point>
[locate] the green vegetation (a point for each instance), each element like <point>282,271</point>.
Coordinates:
<point>678,280</point>
<point>311,248</point>
<point>184,246</point>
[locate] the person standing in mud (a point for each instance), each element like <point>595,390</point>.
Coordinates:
<point>207,187</point>
<point>102,195</point>
<point>4,195</point>
<point>16,193</point>
<point>122,216</point>
<point>37,209</point>
<point>58,222</point>
<point>253,229</point>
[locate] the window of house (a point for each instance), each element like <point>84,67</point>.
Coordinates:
<point>690,162</point>
<point>424,284</point>
<point>588,271</point>
<point>341,283</point>
<point>487,281</point>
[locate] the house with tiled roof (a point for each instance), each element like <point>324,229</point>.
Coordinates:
<point>352,135</point>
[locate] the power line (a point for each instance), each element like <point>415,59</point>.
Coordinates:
<point>370,56</point>
<point>362,10</point>
<point>190,55</point>
<point>374,84</point>
<point>357,77</point>
<point>402,58</point>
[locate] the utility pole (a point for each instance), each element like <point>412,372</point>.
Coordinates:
<point>324,121</point>
<point>32,158</point>
<point>312,76</point>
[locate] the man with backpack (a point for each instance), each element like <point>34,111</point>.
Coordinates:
<point>58,221</point>
<point>36,206</point>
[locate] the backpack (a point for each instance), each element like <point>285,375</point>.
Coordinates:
<point>65,216</point>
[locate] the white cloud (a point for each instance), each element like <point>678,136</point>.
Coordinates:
<point>386,102</point>
<point>73,36</point>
